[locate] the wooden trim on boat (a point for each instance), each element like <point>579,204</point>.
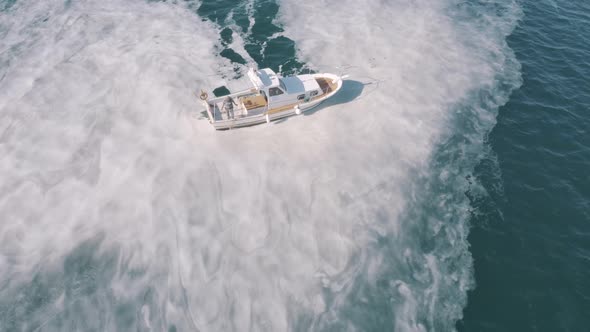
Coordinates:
<point>326,84</point>
<point>282,108</point>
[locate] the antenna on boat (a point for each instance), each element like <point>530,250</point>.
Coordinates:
<point>344,68</point>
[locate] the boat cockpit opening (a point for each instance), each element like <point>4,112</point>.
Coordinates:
<point>326,85</point>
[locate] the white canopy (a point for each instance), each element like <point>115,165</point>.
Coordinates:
<point>263,78</point>
<point>267,78</point>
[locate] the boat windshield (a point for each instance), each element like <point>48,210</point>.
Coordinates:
<point>283,87</point>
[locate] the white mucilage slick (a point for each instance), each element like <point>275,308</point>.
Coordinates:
<point>272,97</point>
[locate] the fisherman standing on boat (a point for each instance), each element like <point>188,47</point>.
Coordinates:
<point>228,106</point>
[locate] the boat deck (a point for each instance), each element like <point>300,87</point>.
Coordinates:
<point>247,106</point>
<point>253,102</point>
<point>326,84</point>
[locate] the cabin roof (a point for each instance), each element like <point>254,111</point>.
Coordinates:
<point>293,84</point>
<point>263,78</point>
<point>300,83</point>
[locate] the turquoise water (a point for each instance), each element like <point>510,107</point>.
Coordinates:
<point>444,188</point>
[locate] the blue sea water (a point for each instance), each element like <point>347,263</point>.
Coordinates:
<point>529,238</point>
<point>446,187</point>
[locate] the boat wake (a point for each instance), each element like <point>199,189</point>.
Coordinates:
<point>121,213</point>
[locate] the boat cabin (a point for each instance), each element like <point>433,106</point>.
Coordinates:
<point>282,91</point>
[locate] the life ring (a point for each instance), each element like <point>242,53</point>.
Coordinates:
<point>204,95</point>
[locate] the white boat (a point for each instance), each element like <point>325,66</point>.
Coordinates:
<point>272,97</point>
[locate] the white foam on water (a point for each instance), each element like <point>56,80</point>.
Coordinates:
<point>92,105</point>
<point>443,67</point>
<point>252,229</point>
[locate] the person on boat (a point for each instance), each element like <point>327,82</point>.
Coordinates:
<point>228,106</point>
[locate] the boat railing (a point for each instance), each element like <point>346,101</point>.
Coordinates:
<point>216,110</point>
<point>220,114</point>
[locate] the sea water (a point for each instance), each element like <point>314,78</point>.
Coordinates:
<point>123,210</point>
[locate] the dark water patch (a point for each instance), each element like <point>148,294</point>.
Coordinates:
<point>265,13</point>
<point>262,38</point>
<point>279,53</point>
<point>530,235</point>
<point>232,56</point>
<point>217,10</point>
<point>5,5</point>
<point>226,36</point>
<point>82,267</point>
